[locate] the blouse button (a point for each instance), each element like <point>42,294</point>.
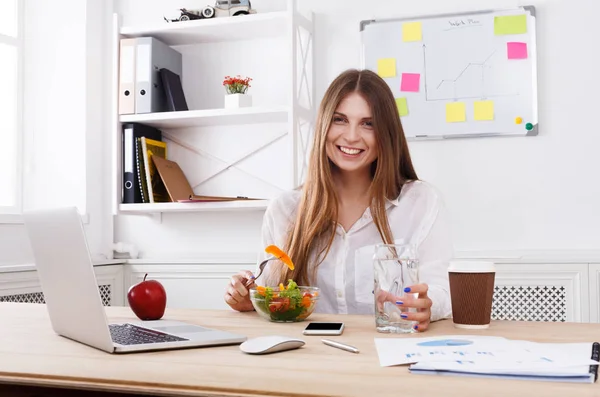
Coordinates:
<point>340,293</point>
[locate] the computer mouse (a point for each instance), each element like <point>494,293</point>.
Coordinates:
<point>270,344</point>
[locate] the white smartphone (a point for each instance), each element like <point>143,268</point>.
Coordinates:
<point>323,328</point>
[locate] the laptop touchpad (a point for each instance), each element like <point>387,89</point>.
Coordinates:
<point>181,329</point>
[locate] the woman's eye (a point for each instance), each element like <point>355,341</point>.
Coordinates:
<point>369,124</point>
<point>338,120</point>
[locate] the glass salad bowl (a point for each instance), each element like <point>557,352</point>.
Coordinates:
<point>289,303</point>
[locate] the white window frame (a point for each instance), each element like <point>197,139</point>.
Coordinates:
<point>12,214</point>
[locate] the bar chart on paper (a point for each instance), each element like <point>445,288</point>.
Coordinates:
<point>462,75</point>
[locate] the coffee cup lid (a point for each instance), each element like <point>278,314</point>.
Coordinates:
<point>471,267</point>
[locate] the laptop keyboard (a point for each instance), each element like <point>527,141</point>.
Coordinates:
<point>129,334</point>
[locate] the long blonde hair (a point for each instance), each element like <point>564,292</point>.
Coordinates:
<point>314,228</point>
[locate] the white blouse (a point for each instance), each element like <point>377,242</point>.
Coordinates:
<point>345,277</point>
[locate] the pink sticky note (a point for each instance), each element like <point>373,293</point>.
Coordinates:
<point>516,50</point>
<point>410,82</point>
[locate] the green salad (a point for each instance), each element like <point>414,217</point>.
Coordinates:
<point>289,303</point>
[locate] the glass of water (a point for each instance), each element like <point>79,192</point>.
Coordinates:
<point>395,267</point>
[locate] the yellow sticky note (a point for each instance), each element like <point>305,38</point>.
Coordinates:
<point>386,67</point>
<point>510,24</point>
<point>402,106</point>
<point>411,31</point>
<point>483,110</point>
<point>456,112</point>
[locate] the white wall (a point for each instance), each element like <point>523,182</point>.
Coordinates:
<point>63,119</point>
<point>534,193</point>
<point>55,104</point>
<point>504,194</point>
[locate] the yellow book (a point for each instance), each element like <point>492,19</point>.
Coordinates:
<point>156,190</point>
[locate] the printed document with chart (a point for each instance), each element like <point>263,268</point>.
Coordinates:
<point>488,356</point>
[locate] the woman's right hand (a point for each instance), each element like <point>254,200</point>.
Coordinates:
<point>237,294</point>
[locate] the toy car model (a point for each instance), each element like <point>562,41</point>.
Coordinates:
<point>187,15</point>
<point>227,8</point>
<point>222,8</point>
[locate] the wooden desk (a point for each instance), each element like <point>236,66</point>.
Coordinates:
<point>31,354</point>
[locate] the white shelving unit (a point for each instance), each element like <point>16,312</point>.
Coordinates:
<point>210,117</point>
<point>297,115</point>
<point>271,24</point>
<point>250,205</point>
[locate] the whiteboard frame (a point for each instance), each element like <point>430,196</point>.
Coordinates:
<point>529,8</point>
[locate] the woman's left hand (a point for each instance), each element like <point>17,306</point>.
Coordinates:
<point>422,303</point>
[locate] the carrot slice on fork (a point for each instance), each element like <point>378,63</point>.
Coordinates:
<point>279,254</point>
<point>261,290</point>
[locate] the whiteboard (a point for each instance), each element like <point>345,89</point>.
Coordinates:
<point>458,75</point>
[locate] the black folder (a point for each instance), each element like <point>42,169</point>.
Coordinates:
<point>132,192</point>
<point>173,90</point>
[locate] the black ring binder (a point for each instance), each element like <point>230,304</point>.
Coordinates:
<point>595,356</point>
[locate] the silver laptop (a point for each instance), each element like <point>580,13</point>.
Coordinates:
<point>68,281</point>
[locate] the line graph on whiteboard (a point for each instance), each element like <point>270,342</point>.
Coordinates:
<point>465,79</point>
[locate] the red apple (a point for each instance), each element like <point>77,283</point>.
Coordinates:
<point>147,299</point>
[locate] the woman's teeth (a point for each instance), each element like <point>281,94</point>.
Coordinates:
<point>349,150</point>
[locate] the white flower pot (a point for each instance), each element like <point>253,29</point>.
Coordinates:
<point>233,101</point>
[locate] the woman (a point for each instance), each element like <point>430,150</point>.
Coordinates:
<point>361,190</point>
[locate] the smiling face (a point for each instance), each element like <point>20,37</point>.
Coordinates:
<point>351,141</point>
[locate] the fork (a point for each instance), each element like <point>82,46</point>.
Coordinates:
<point>261,267</point>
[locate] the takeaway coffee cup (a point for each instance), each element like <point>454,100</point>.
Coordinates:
<point>471,291</point>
